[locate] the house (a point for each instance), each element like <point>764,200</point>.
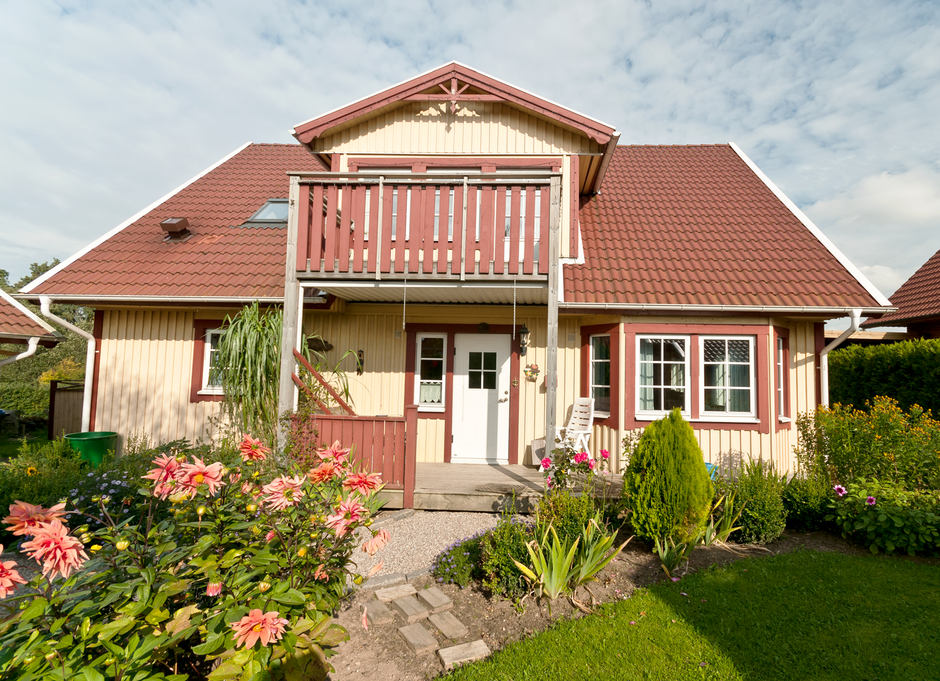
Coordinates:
<point>488,256</point>
<point>21,326</point>
<point>917,302</point>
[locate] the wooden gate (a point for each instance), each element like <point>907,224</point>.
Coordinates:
<point>65,407</point>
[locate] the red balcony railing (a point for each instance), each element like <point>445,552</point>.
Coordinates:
<point>424,226</point>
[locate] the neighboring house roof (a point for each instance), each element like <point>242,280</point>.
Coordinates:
<point>18,324</point>
<point>220,259</point>
<point>697,226</point>
<point>917,299</point>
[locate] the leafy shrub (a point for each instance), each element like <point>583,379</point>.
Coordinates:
<point>666,485</point>
<point>40,474</point>
<point>165,599</point>
<point>908,372</point>
<point>566,466</point>
<point>568,513</point>
<point>27,399</point>
<point>460,562</point>
<point>881,442</point>
<point>806,501</point>
<point>500,547</point>
<point>758,491</point>
<point>885,517</point>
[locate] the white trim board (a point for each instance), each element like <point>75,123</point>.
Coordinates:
<point>131,220</point>
<point>823,239</point>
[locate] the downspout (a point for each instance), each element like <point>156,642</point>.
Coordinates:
<point>855,316</point>
<point>44,303</point>
<point>33,343</point>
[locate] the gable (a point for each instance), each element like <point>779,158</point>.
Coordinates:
<point>918,298</point>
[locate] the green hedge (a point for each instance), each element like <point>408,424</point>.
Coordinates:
<point>908,371</point>
<point>28,400</point>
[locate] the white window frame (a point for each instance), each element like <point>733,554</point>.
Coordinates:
<point>600,413</point>
<point>434,408</point>
<point>730,416</point>
<point>207,352</point>
<point>653,414</point>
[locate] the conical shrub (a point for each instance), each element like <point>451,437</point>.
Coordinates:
<point>666,485</point>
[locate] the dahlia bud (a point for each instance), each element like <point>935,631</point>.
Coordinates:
<point>122,544</point>
<point>201,511</point>
<point>251,508</point>
<point>50,657</point>
<point>263,586</point>
<point>85,538</point>
<point>95,548</point>
<point>302,551</point>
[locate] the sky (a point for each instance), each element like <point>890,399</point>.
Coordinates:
<point>107,106</point>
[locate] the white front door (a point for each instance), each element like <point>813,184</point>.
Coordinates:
<point>480,423</point>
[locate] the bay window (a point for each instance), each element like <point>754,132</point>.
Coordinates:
<point>727,386</point>
<point>662,374</point>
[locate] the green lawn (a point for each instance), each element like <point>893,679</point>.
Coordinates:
<point>804,615</point>
<point>10,446</point>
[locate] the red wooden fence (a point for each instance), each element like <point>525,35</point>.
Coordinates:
<point>420,226</point>
<point>382,444</point>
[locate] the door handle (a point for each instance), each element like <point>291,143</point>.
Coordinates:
<point>503,399</point>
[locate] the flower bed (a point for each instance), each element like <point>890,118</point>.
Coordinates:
<point>214,571</point>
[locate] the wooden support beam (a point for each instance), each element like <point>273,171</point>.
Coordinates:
<point>286,394</point>
<point>459,98</point>
<point>316,374</point>
<point>551,360</point>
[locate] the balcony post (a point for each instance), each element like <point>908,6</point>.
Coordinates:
<point>551,360</point>
<point>292,313</point>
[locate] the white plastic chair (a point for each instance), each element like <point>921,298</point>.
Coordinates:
<point>578,429</point>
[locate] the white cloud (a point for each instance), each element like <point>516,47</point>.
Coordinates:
<point>110,105</point>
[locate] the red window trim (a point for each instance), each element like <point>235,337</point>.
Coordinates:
<point>599,330</point>
<point>452,330</point>
<point>760,333</point>
<point>783,334</point>
<point>200,326</point>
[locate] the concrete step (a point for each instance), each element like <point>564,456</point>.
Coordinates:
<point>435,599</point>
<point>448,625</point>
<point>378,613</point>
<point>391,593</point>
<point>418,638</point>
<point>411,608</point>
<point>465,652</point>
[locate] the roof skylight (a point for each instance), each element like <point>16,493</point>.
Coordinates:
<point>275,210</point>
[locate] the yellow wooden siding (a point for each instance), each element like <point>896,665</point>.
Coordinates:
<point>430,441</point>
<point>144,376</point>
<point>476,128</point>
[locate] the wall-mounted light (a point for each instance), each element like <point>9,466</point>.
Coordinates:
<point>523,340</point>
<point>360,362</point>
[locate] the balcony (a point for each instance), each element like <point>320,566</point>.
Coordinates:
<point>433,227</point>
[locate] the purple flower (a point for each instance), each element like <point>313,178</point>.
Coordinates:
<point>870,501</point>
<point>840,490</point>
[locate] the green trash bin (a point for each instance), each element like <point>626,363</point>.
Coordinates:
<point>93,446</point>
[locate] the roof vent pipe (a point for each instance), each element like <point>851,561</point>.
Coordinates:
<point>44,303</point>
<point>177,229</point>
<point>855,317</point>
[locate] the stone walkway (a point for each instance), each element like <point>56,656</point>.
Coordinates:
<point>427,623</point>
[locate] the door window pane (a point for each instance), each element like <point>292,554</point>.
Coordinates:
<point>482,370</point>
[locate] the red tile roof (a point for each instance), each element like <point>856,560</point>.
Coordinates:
<point>918,297</point>
<point>694,225</point>
<point>220,259</point>
<point>17,323</point>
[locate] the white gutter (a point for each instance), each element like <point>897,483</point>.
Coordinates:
<point>855,317</point>
<point>28,352</point>
<point>160,300</point>
<point>45,302</point>
<point>778,309</point>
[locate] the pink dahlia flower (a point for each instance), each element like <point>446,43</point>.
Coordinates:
<point>56,549</point>
<point>257,625</point>
<point>198,473</point>
<point>9,577</point>
<point>605,454</point>
<point>25,518</point>
<point>591,464</point>
<point>213,589</point>
<point>347,513</point>
<point>334,453</point>
<point>364,483</point>
<point>164,475</point>
<point>580,457</point>
<point>325,471</point>
<point>283,492</point>
<point>375,544</point>
<point>252,450</point>
<point>546,462</point>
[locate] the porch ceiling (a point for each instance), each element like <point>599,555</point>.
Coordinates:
<point>436,292</point>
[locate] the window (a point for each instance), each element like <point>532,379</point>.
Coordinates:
<point>211,381</point>
<point>482,371</point>
<point>600,373</point>
<point>662,374</point>
<point>430,370</point>
<point>274,210</point>
<point>783,360</point>
<point>728,376</point>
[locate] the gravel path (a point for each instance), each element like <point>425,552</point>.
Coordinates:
<point>414,542</point>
